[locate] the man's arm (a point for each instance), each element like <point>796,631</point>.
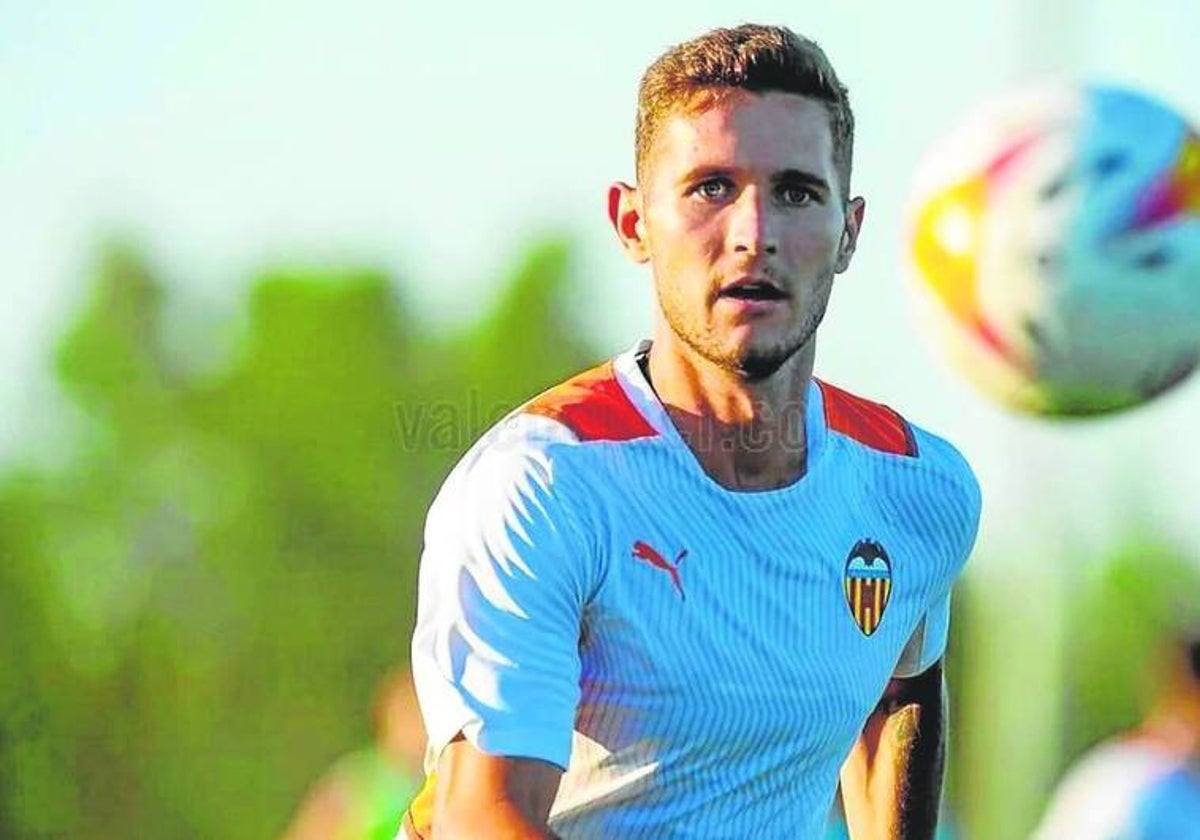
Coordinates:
<point>506,572</point>
<point>486,797</point>
<point>892,780</point>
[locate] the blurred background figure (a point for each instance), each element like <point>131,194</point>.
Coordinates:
<point>1143,784</point>
<point>364,794</point>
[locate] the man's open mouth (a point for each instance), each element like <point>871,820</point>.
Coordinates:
<point>754,291</point>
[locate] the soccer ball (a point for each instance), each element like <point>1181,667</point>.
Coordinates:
<point>1055,241</point>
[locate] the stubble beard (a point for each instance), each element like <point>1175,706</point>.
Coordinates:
<point>751,364</point>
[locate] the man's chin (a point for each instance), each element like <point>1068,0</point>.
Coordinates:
<point>746,353</point>
<point>754,364</point>
<point>757,367</point>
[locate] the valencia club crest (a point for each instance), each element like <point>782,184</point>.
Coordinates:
<point>868,584</point>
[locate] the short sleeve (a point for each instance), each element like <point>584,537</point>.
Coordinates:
<point>503,582</point>
<point>952,498</point>
<point>953,506</point>
<point>927,644</point>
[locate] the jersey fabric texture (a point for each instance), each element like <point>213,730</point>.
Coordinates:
<point>698,660</point>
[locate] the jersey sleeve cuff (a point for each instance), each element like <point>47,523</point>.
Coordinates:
<point>539,742</point>
<point>526,742</point>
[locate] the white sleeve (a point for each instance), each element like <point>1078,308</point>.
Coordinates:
<point>927,644</point>
<point>504,578</point>
<point>956,510</point>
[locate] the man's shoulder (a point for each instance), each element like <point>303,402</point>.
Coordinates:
<point>593,406</point>
<point>868,423</point>
<point>540,439</point>
<point>877,427</point>
<point>589,407</point>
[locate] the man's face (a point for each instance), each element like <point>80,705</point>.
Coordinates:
<point>744,226</point>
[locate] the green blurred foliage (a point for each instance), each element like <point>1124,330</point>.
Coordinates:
<point>197,604</point>
<point>198,599</point>
<point>1048,659</point>
<point>1122,612</point>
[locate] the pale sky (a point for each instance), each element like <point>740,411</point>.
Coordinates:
<point>435,140</point>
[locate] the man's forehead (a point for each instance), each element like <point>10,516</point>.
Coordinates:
<point>784,130</point>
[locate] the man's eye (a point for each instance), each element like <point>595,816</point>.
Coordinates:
<point>797,195</point>
<point>716,188</point>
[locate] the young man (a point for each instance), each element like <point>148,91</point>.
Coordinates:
<point>672,596</point>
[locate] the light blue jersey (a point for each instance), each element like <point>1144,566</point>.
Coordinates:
<point>699,661</point>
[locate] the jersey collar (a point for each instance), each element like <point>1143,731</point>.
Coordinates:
<point>641,394</point>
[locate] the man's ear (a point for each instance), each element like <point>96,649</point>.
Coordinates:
<point>856,208</point>
<point>625,214</point>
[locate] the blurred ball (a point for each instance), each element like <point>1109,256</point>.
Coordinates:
<point>1055,238</point>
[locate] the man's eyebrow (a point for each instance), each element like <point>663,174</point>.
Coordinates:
<point>785,176</point>
<point>799,176</point>
<point>704,170</point>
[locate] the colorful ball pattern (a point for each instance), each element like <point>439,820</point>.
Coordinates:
<point>1055,238</point>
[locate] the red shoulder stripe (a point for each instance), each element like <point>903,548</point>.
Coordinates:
<point>869,423</point>
<point>593,406</point>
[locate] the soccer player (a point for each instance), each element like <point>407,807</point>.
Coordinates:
<point>674,595</point>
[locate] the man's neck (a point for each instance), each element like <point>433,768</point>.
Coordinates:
<point>746,435</point>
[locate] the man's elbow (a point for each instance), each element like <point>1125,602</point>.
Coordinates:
<point>481,796</point>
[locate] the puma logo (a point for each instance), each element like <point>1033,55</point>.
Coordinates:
<point>644,551</point>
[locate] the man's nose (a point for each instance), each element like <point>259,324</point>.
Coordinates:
<point>752,226</point>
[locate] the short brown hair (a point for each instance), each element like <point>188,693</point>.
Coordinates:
<point>749,57</point>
